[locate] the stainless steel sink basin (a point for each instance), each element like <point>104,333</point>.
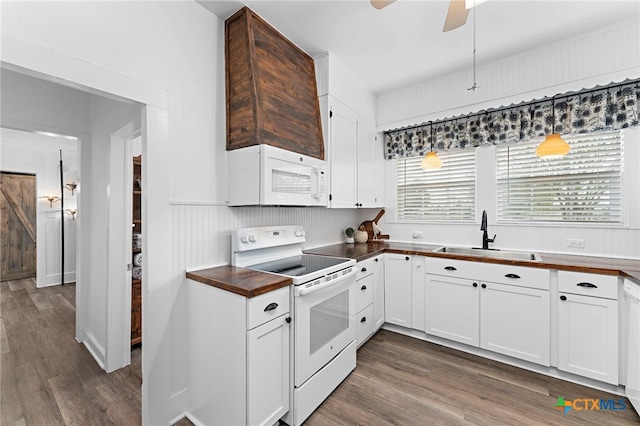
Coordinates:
<point>493,253</point>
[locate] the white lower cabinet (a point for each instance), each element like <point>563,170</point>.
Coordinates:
<point>515,321</point>
<point>268,372</point>
<point>510,317</point>
<point>588,325</point>
<point>452,309</point>
<point>369,296</point>
<point>238,356</point>
<point>398,290</point>
<point>378,292</point>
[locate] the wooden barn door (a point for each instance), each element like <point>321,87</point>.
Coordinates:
<point>18,228</point>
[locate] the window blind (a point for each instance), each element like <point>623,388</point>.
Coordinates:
<point>446,194</point>
<point>583,186</point>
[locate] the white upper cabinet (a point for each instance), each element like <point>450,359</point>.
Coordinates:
<point>355,153</point>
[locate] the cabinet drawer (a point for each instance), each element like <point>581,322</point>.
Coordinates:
<point>364,292</point>
<point>588,284</point>
<point>516,275</point>
<point>451,267</point>
<point>266,307</point>
<point>364,268</point>
<point>364,324</point>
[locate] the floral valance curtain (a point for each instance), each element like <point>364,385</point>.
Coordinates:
<point>608,108</point>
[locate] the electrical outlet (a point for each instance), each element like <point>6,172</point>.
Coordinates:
<point>575,243</point>
<point>416,234</point>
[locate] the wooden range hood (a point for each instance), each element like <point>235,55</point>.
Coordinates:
<point>271,89</point>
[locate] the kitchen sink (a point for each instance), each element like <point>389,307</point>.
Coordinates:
<point>492,253</point>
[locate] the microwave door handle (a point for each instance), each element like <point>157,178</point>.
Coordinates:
<point>316,183</point>
<point>309,290</point>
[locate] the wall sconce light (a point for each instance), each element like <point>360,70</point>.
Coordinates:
<point>52,199</point>
<point>72,212</point>
<point>71,186</point>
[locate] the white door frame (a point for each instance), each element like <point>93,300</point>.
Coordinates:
<point>30,58</point>
<point>118,347</point>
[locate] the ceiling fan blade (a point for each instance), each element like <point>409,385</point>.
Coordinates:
<point>379,4</point>
<point>456,16</point>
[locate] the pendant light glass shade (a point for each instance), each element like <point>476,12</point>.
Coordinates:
<point>553,147</point>
<point>431,161</point>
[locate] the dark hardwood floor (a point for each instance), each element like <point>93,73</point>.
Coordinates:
<point>47,378</point>
<point>404,381</point>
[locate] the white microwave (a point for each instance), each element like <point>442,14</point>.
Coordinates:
<point>267,175</point>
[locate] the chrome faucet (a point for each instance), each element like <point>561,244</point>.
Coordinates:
<point>483,227</point>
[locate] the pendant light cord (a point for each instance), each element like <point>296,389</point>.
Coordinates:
<point>475,86</point>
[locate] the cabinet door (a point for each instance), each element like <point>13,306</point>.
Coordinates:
<point>418,290</point>
<point>378,292</point>
<point>588,334</point>
<point>452,308</point>
<point>397,289</point>
<point>343,155</point>
<point>268,372</point>
<point>514,321</point>
<point>370,167</point>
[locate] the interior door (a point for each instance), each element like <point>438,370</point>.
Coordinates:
<point>18,230</point>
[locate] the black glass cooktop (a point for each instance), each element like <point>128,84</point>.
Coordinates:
<point>298,266</point>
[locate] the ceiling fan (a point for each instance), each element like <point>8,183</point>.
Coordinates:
<point>456,15</point>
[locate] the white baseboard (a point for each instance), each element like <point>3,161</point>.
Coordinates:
<point>94,348</point>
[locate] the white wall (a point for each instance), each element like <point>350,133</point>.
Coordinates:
<point>24,152</point>
<point>595,58</point>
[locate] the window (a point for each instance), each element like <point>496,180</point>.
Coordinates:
<point>446,194</point>
<point>583,186</point>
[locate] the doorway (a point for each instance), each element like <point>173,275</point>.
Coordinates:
<point>18,228</point>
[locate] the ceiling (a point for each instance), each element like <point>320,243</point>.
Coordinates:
<point>403,43</point>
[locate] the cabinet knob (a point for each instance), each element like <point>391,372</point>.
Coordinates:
<point>563,297</point>
<point>363,270</point>
<point>406,258</point>
<point>364,287</point>
<point>376,259</point>
<point>288,320</point>
<point>271,307</point>
<point>475,284</point>
<point>484,286</point>
<point>364,319</point>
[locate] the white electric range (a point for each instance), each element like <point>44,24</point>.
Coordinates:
<point>323,348</point>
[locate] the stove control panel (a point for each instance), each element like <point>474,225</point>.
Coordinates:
<point>244,239</point>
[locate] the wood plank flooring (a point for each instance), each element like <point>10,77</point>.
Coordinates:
<point>47,378</point>
<point>399,380</point>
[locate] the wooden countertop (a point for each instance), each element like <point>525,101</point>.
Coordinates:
<point>248,283</point>
<point>244,282</point>
<point>598,265</point>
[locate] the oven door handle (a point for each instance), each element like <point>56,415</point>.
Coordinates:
<point>308,290</point>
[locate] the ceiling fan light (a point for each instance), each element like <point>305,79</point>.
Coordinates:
<point>468,4</point>
<point>431,161</point>
<point>553,146</point>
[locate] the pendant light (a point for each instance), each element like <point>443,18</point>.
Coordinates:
<point>553,145</point>
<point>431,161</point>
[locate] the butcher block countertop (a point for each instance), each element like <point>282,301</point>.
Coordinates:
<point>597,265</point>
<point>244,282</point>
<point>248,283</point>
